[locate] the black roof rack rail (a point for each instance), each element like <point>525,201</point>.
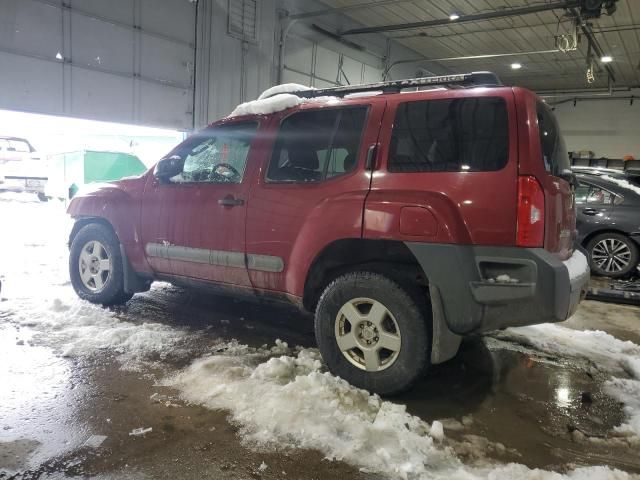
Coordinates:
<point>473,79</point>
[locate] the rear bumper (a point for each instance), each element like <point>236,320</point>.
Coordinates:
<point>23,184</point>
<point>486,288</point>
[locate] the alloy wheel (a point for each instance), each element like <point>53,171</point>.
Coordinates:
<point>94,264</point>
<point>611,255</point>
<point>367,334</point>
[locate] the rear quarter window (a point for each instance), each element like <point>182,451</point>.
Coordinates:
<point>450,135</point>
<point>554,150</point>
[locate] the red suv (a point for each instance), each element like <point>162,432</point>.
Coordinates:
<point>404,219</point>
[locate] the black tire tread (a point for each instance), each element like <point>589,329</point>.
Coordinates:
<point>413,298</point>
<point>618,236</point>
<point>114,293</point>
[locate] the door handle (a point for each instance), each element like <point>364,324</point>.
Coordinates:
<point>230,201</point>
<point>370,163</point>
<point>589,211</point>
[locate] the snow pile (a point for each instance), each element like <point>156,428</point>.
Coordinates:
<point>276,99</point>
<point>289,401</point>
<point>605,352</point>
<point>503,278</point>
<point>77,328</point>
<point>265,106</point>
<point>622,183</point>
<point>34,263</point>
<point>577,265</point>
<point>283,88</point>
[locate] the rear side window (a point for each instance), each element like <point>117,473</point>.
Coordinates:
<point>450,135</point>
<point>592,195</point>
<point>554,151</point>
<point>317,144</point>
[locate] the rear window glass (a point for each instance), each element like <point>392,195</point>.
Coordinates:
<point>450,135</point>
<point>554,151</point>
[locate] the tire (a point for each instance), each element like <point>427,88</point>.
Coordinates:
<point>103,278</point>
<point>406,316</point>
<point>623,261</point>
<point>42,197</point>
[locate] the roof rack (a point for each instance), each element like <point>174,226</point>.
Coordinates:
<point>467,80</point>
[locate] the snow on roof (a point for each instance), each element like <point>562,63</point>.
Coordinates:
<point>272,100</point>
<point>284,88</point>
<point>622,183</point>
<point>266,104</point>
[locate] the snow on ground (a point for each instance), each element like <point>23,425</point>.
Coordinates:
<point>289,400</point>
<point>37,291</point>
<point>279,396</point>
<point>603,351</point>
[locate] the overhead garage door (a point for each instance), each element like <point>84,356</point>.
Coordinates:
<point>125,61</point>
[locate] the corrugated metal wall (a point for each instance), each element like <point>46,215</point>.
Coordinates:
<point>230,71</point>
<point>126,61</point>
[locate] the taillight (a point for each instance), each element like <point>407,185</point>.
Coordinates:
<point>530,231</point>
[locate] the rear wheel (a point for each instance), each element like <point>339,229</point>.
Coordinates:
<point>373,332</point>
<point>95,266</point>
<point>612,254</point>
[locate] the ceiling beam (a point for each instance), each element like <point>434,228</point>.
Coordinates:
<point>348,8</point>
<point>510,12</point>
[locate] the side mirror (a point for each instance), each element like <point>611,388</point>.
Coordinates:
<point>168,167</point>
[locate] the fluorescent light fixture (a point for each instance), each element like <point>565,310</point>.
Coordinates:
<point>606,59</point>
<point>516,66</point>
<point>454,16</point>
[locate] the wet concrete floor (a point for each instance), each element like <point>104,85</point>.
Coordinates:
<point>521,406</point>
<point>71,417</point>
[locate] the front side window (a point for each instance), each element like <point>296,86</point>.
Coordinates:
<point>317,144</point>
<point>554,151</point>
<point>450,135</point>
<point>216,155</point>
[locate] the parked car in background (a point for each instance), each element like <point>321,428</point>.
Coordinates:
<point>608,219</point>
<point>21,168</point>
<point>376,212</point>
<point>70,171</point>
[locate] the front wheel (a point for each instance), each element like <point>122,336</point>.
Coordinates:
<point>373,332</point>
<point>95,266</point>
<point>612,255</point>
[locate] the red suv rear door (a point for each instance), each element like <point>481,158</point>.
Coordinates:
<point>311,190</point>
<point>448,169</point>
<point>194,225</point>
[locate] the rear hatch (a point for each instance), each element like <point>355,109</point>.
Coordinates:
<point>547,207</point>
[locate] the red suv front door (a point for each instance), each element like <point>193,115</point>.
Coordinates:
<point>193,226</point>
<point>315,175</point>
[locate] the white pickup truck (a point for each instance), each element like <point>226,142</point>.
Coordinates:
<point>21,168</point>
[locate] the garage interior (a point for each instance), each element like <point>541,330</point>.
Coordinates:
<point>132,391</point>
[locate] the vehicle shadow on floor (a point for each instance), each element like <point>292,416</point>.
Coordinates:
<point>463,381</point>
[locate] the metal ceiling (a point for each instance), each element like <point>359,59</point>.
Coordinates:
<point>528,39</point>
